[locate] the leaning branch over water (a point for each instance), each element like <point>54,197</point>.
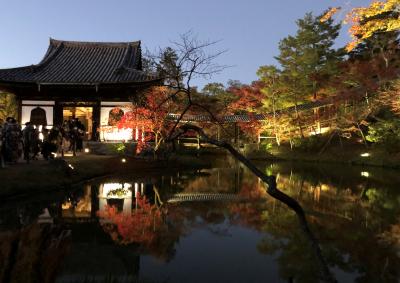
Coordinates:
<point>272,190</point>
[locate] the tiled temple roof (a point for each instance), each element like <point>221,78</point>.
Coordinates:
<point>249,117</point>
<point>73,62</point>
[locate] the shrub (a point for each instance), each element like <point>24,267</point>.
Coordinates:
<point>385,134</point>
<point>310,144</point>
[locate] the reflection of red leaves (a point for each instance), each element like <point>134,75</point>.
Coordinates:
<point>248,213</point>
<point>137,227</point>
<point>252,192</point>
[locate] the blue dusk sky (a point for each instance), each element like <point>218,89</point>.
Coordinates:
<point>249,30</point>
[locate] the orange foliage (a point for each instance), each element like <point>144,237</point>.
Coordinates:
<point>379,16</point>
<point>249,102</point>
<point>150,118</point>
<point>330,13</point>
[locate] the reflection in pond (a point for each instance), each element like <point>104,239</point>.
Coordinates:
<point>211,225</point>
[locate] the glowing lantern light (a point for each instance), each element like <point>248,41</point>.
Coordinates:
<point>87,150</point>
<point>123,160</point>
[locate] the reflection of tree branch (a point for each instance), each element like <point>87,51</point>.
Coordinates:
<point>272,190</point>
<point>157,197</point>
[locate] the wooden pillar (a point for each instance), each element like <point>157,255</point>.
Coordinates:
<point>19,102</point>
<point>236,134</point>
<point>57,114</point>
<point>96,121</point>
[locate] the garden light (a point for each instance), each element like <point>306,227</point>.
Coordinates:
<point>70,166</point>
<point>87,150</point>
<point>365,174</point>
<point>123,160</point>
<point>366,154</point>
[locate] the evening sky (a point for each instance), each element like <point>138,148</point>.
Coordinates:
<point>249,30</point>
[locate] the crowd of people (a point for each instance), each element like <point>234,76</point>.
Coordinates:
<point>34,139</point>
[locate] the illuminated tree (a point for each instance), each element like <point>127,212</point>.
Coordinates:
<point>248,102</point>
<point>151,118</point>
<point>274,99</point>
<point>308,60</point>
<point>391,97</point>
<point>8,106</point>
<point>378,17</point>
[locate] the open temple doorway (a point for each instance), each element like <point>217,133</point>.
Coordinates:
<point>84,115</point>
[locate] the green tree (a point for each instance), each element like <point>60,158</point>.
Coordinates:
<point>308,60</point>
<point>219,92</point>
<point>8,106</point>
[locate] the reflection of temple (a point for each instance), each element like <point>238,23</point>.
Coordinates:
<point>94,257</point>
<point>95,198</point>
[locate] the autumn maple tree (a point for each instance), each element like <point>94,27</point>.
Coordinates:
<point>249,103</point>
<point>365,22</point>
<point>150,118</point>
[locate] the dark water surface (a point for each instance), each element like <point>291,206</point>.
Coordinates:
<point>210,225</point>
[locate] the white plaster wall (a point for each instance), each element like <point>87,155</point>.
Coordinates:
<point>37,102</point>
<point>26,114</point>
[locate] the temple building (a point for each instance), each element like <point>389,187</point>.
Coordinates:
<point>91,81</point>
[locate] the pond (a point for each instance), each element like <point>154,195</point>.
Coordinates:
<point>209,225</point>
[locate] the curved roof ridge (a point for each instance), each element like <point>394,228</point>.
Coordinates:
<point>78,62</point>
<point>70,43</point>
<point>52,52</point>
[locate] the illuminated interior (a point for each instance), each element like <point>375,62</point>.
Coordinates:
<point>83,114</point>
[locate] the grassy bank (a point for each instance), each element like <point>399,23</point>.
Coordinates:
<point>43,176</point>
<point>349,154</point>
